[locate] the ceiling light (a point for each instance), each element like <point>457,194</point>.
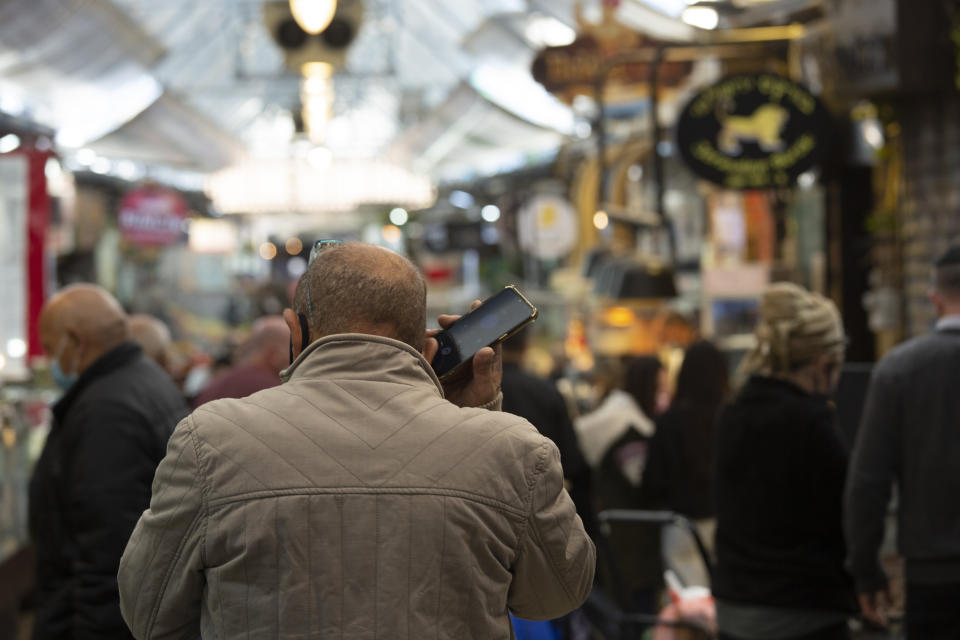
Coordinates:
<point>399,216</point>
<point>490,213</point>
<point>16,347</point>
<point>391,234</point>
<point>547,31</point>
<point>294,246</point>
<point>9,142</point>
<point>86,157</point>
<point>313,16</point>
<point>320,158</point>
<point>268,251</point>
<point>316,96</point>
<point>701,17</point>
<point>101,166</point>
<point>461,199</point>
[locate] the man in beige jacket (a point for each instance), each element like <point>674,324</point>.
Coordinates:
<point>354,500</point>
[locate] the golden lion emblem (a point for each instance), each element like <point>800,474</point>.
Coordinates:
<point>763,127</point>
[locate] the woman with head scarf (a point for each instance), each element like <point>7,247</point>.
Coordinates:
<point>780,466</point>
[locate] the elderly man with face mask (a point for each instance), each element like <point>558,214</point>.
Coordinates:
<point>92,482</point>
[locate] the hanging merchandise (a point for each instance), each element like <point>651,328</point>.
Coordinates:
<point>753,131</point>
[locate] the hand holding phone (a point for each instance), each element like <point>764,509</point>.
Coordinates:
<point>473,386</point>
<point>474,340</point>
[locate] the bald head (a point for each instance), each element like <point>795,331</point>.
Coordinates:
<point>81,323</point>
<point>267,345</point>
<point>153,335</point>
<point>362,288</point>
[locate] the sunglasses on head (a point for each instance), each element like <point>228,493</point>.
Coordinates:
<point>318,247</point>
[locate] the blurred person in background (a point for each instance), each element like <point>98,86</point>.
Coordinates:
<point>679,472</point>
<point>153,336</point>
<point>910,437</point>
<point>362,498</point>
<point>780,467</point>
<point>615,438</point>
<point>258,364</point>
<point>92,481</point>
<point>538,400</point>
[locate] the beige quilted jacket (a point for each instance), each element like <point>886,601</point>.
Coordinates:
<point>353,502</point>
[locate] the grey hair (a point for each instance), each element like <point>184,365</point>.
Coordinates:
<point>355,286</point>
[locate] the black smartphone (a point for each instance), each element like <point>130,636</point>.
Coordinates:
<point>496,319</point>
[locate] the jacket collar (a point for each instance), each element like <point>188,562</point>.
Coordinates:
<point>763,385</point>
<point>107,363</point>
<point>949,323</point>
<point>362,356</point>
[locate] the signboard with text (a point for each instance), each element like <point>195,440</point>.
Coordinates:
<point>753,131</point>
<point>152,216</point>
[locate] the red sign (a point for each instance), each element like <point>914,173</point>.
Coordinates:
<point>152,216</point>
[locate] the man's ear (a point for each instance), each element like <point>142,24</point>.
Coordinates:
<point>937,301</point>
<point>296,336</point>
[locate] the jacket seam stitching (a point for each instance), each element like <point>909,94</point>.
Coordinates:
<point>454,493</point>
<point>541,467</point>
<point>538,470</point>
<point>198,519</point>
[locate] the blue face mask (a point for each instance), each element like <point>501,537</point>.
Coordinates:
<point>63,380</point>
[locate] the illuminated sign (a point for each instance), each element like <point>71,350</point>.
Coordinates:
<point>753,131</point>
<point>152,216</point>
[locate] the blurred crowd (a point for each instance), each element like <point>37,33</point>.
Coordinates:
<point>785,528</point>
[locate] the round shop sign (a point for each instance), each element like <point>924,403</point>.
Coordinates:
<point>753,131</point>
<point>152,216</point>
<point>547,226</point>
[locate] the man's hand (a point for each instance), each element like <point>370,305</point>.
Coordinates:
<point>475,384</point>
<point>874,606</point>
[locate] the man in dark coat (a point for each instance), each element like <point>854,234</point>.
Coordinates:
<point>93,479</point>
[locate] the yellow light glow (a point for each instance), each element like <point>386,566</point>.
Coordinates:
<point>3,361</point>
<point>619,317</point>
<point>268,251</point>
<point>316,69</point>
<point>313,16</point>
<point>294,246</point>
<point>601,220</point>
<point>391,233</point>
<point>316,96</point>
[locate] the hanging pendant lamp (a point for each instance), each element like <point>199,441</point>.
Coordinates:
<point>313,16</point>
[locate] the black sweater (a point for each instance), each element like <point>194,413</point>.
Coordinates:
<point>909,436</point>
<point>679,472</point>
<point>780,468</point>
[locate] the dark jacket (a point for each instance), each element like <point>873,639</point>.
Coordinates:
<point>780,467</point>
<point>679,472</point>
<point>540,403</point>
<point>90,486</point>
<point>910,434</point>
